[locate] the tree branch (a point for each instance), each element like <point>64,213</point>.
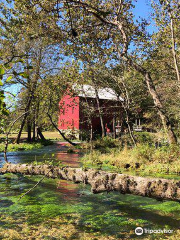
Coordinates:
<point>61,133</point>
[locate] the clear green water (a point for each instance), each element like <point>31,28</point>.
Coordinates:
<point>104,214</point>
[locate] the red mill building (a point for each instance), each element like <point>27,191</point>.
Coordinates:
<point>79,110</point>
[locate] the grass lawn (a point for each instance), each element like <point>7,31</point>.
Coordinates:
<point>27,146</point>
<point>48,135</point>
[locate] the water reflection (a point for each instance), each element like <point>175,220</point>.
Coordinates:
<point>69,159</point>
<point>56,152</point>
<point>69,190</point>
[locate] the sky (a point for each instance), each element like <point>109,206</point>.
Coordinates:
<point>142,9</point>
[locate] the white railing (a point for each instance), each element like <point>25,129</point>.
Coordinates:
<point>137,128</point>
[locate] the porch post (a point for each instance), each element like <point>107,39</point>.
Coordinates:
<point>114,128</point>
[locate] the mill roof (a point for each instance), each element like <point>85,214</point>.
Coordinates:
<point>89,92</point>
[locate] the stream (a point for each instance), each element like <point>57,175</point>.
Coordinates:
<point>58,209</point>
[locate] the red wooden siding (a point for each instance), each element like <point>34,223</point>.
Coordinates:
<point>69,113</point>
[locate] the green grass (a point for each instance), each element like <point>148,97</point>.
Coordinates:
<point>142,160</point>
<point>104,217</point>
<point>48,135</point>
<point>13,147</point>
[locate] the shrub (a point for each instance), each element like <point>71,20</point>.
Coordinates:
<point>166,154</point>
<point>143,152</point>
<point>105,143</point>
<point>145,138</point>
<point>145,159</point>
<point>70,150</point>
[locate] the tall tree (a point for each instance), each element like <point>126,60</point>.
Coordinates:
<point>167,18</point>
<point>109,25</point>
<point>112,21</point>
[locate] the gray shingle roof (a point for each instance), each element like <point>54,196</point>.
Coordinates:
<point>89,91</point>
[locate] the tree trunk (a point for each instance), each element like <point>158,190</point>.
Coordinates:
<point>100,113</point>
<point>174,52</point>
<point>150,85</point>
<point>21,129</point>
<point>35,134</point>
<point>32,87</point>
<point>29,131</point>
<point>164,118</point>
<point>157,102</point>
<point>34,131</point>
<point>39,133</point>
<point>24,119</point>
<point>173,42</point>
<point>91,136</point>
<point>129,128</point>
<point>102,181</point>
<point>126,105</point>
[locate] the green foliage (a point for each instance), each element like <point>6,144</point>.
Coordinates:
<point>2,71</point>
<point>143,159</point>
<point>70,150</point>
<point>43,212</point>
<point>4,68</point>
<point>143,152</point>
<point>145,137</point>
<point>21,32</point>
<point>105,144</point>
<point>46,142</point>
<point>9,79</point>
<point>3,110</point>
<point>93,159</point>
<point>21,147</point>
<point>24,75</point>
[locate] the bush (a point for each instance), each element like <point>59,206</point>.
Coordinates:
<point>105,144</point>
<point>145,137</point>
<point>146,159</point>
<point>166,154</point>
<point>70,150</point>
<point>143,152</point>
